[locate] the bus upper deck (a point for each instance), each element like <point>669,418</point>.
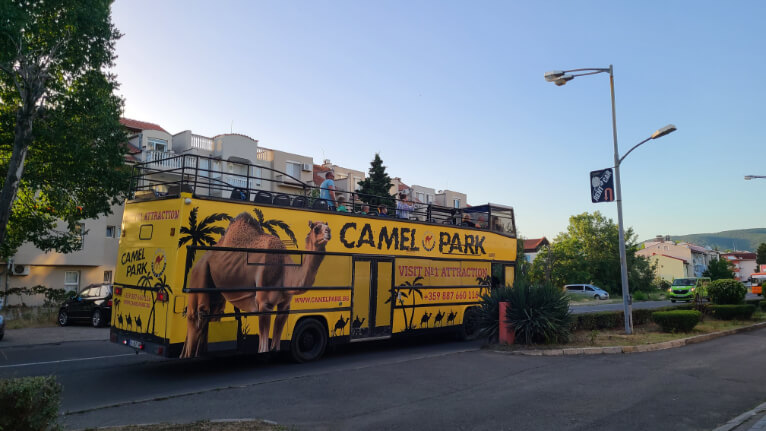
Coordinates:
<point>198,175</point>
<point>208,262</point>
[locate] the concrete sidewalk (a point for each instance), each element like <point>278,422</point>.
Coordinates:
<point>52,335</point>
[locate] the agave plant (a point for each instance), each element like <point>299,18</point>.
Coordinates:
<point>538,314</point>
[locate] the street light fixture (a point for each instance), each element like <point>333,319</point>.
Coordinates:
<point>561,77</point>
<point>751,177</point>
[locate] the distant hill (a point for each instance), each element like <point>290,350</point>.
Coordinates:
<point>742,239</point>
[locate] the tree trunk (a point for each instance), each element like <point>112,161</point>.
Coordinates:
<point>21,141</point>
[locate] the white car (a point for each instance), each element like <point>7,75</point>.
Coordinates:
<point>588,290</point>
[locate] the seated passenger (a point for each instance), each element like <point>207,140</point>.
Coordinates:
<point>382,211</point>
<point>342,204</point>
<point>467,221</point>
<point>365,210</point>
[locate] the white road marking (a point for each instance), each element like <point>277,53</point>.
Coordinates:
<point>66,360</point>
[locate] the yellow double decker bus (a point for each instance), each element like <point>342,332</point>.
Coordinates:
<point>207,265</point>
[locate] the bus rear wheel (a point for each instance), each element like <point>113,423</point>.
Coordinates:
<point>470,329</point>
<point>309,341</point>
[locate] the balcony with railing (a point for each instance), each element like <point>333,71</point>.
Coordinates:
<point>202,143</point>
<point>265,155</point>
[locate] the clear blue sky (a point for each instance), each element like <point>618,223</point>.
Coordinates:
<point>452,95</point>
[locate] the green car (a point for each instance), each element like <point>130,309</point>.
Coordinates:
<point>685,289</point>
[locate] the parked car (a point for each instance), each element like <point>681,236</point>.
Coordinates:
<point>587,290</point>
<point>93,304</point>
<point>685,289</point>
<point>2,326</point>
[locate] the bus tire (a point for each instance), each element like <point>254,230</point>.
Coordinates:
<point>469,329</point>
<point>309,341</point>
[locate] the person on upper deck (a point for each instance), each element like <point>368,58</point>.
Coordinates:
<point>327,190</point>
<point>342,204</point>
<point>382,211</point>
<point>467,221</point>
<point>365,210</point>
<point>403,207</point>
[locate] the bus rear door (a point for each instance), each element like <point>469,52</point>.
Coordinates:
<point>372,301</point>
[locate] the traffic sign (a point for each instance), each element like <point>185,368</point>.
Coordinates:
<point>602,186</point>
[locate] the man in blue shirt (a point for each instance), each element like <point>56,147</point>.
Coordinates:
<point>327,190</point>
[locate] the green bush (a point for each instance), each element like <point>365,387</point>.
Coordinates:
<point>29,403</point>
<point>676,320</point>
<point>726,291</point>
<point>539,313</point>
<point>640,296</point>
<point>608,320</point>
<point>730,312</point>
<point>762,304</point>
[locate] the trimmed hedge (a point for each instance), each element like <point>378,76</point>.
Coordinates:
<point>608,320</point>
<point>762,304</point>
<point>29,403</point>
<point>731,312</point>
<point>677,320</point>
<point>726,291</point>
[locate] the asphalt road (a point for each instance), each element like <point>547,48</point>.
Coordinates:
<point>424,386</point>
<point>595,306</point>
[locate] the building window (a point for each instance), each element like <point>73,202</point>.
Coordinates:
<point>421,197</point>
<point>111,231</point>
<point>257,174</point>
<point>159,145</point>
<point>204,167</point>
<point>293,169</point>
<point>456,202</point>
<point>429,199</point>
<point>107,276</point>
<point>72,280</point>
<point>357,186</point>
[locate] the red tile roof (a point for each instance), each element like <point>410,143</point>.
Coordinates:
<point>740,255</point>
<point>534,245</point>
<point>319,174</point>
<point>672,257</point>
<point>140,125</point>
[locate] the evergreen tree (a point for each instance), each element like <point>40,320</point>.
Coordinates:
<point>374,189</point>
<point>760,258</point>
<point>719,269</point>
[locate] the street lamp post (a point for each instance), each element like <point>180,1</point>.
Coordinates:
<point>561,77</point>
<point>752,177</point>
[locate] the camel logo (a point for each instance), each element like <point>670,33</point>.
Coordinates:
<point>428,241</point>
<point>229,269</point>
<point>159,263</point>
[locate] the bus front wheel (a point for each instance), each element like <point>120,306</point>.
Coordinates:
<point>309,341</point>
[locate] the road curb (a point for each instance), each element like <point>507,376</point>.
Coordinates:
<point>613,350</point>
<point>213,421</point>
<point>744,417</point>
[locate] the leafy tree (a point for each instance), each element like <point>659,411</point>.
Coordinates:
<point>760,258</point>
<point>589,252</point>
<point>61,143</point>
<point>719,269</point>
<point>374,189</point>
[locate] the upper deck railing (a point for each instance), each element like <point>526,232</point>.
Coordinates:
<point>159,178</point>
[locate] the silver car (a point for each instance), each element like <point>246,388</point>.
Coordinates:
<point>587,290</point>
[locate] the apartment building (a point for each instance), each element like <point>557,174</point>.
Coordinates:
<point>452,199</point>
<point>695,258</point>
<point>743,262</point>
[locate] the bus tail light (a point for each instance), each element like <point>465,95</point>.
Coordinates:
<point>162,296</point>
<point>109,303</point>
<point>118,291</point>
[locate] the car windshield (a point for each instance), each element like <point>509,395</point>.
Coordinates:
<point>684,282</point>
